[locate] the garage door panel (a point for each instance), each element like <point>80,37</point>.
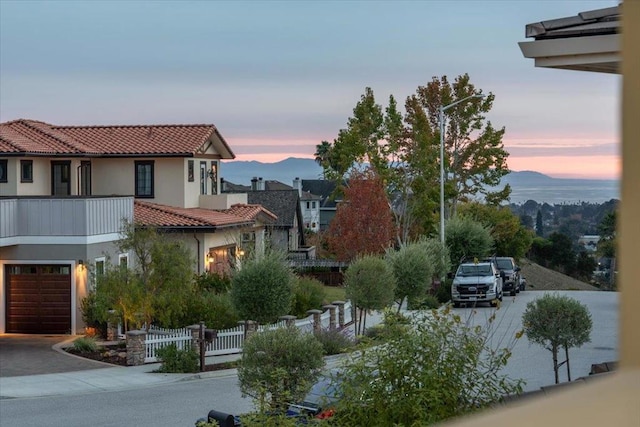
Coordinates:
<point>38,299</point>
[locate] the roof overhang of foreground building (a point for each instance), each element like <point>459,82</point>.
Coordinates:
<point>589,41</point>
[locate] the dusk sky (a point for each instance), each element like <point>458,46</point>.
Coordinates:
<point>277,78</point>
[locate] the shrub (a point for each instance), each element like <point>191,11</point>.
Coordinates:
<point>262,289</point>
<point>219,284</point>
<point>426,302</point>
<point>334,341</point>
<point>443,292</point>
<point>279,366</point>
<point>91,314</point>
<point>216,310</point>
<point>177,361</point>
<point>308,293</point>
<point>85,345</point>
<point>435,368</point>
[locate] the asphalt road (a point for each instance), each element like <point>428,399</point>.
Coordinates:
<point>176,404</point>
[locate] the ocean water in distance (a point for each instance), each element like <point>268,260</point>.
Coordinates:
<point>565,191</point>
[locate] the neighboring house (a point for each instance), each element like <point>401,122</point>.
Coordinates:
<point>64,191</point>
<point>287,232</point>
<point>327,203</point>
<point>589,243</point>
<point>310,206</point>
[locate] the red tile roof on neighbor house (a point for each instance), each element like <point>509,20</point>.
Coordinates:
<point>39,138</point>
<point>163,216</point>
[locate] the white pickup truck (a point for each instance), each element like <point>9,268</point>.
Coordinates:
<point>476,282</point>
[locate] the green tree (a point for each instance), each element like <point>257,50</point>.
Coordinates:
<point>467,238</point>
<point>608,242</point>
<point>510,238</point>
<point>539,224</point>
<point>437,368</point>
<point>279,366</point>
<point>556,321</point>
<point>363,223</point>
<point>562,255</point>
<point>156,287</point>
<point>412,270</point>
<point>405,152</point>
<point>262,289</point>
<point>370,285</point>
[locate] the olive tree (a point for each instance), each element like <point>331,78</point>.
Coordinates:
<point>370,285</point>
<point>439,367</point>
<point>556,321</point>
<point>262,289</point>
<point>412,270</point>
<point>279,366</point>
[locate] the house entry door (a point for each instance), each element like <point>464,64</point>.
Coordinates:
<point>61,178</point>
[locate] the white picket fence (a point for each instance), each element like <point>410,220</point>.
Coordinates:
<point>229,341</point>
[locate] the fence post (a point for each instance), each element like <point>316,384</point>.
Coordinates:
<point>195,334</point>
<point>317,322</point>
<point>340,305</point>
<point>332,315</point>
<point>136,350</point>
<point>250,327</point>
<point>289,319</point>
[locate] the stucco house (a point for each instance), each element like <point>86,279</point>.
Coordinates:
<point>65,190</point>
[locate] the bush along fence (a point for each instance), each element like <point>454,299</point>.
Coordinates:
<point>142,345</point>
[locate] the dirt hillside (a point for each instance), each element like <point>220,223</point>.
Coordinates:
<point>543,279</point>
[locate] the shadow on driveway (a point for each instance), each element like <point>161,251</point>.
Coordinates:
<point>35,354</point>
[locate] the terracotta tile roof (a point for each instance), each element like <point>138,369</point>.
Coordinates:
<point>252,212</point>
<point>33,137</point>
<point>157,215</point>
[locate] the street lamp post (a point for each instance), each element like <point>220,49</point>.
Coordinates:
<point>444,108</point>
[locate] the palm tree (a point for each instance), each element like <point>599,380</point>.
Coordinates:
<point>323,153</point>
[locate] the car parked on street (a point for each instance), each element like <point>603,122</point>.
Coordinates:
<point>510,273</point>
<point>474,282</point>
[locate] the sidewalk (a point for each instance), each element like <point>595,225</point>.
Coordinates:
<point>102,379</point>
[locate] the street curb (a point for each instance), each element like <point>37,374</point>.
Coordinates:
<point>59,348</point>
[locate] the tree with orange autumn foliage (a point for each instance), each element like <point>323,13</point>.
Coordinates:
<point>364,223</point>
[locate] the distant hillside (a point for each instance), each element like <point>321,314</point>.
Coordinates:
<point>526,185</point>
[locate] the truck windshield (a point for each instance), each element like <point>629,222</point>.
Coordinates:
<point>505,264</point>
<point>474,270</point>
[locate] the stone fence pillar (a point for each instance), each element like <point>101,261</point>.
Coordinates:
<point>340,305</point>
<point>112,328</point>
<point>317,322</point>
<point>332,315</point>
<point>289,319</point>
<point>136,348</point>
<point>195,336</point>
<point>250,327</point>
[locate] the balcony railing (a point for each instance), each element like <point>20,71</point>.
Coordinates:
<point>25,219</point>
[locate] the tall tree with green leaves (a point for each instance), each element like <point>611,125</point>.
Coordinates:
<point>539,224</point>
<point>556,321</point>
<point>467,238</point>
<point>413,271</point>
<point>404,151</point>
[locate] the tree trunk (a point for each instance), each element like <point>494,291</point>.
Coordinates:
<point>566,353</point>
<point>554,351</point>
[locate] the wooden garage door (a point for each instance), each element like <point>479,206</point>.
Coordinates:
<point>38,299</point>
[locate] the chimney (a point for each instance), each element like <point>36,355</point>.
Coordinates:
<point>298,186</point>
<point>254,183</point>
<point>260,184</point>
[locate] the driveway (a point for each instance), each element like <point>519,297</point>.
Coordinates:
<point>37,354</point>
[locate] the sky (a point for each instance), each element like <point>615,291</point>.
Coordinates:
<point>277,78</point>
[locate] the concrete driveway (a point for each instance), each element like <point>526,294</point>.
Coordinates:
<point>39,354</point>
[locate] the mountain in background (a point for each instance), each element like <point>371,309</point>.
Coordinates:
<point>525,185</point>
